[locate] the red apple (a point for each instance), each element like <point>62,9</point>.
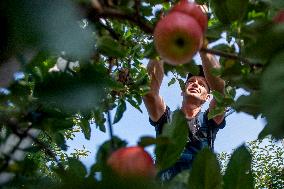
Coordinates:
<point>177,38</point>
<point>193,10</point>
<point>279,17</point>
<point>132,162</point>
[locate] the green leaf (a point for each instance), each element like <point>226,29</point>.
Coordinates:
<point>230,92</point>
<point>56,124</point>
<point>86,129</point>
<point>134,104</point>
<point>277,4</point>
<point>150,51</point>
<point>184,69</point>
<point>219,97</point>
<point>155,2</point>
<point>146,10</point>
<point>238,173</point>
<point>77,168</point>
<point>39,30</point>
<point>270,37</point>
<point>138,98</point>
<point>106,148</point>
<point>110,47</point>
<point>100,120</point>
<point>33,149</point>
<point>60,141</point>
<point>272,90</point>
<point>147,141</point>
<point>121,107</point>
<point>205,171</point>
<point>82,92</point>
<point>214,31</point>
<point>250,104</point>
<point>220,10</point>
<point>229,10</point>
<point>236,10</point>
<point>200,2</point>
<point>177,132</point>
<point>216,111</point>
<point>171,82</point>
<point>181,84</point>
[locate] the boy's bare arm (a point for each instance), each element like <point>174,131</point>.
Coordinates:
<point>153,101</point>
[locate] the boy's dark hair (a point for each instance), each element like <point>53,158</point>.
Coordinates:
<point>200,73</point>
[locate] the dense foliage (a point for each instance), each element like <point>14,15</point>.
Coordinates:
<point>75,60</point>
<point>267,163</point>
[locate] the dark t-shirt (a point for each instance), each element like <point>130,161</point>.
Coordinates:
<point>202,133</point>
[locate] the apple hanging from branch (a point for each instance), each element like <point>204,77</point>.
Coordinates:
<point>193,10</point>
<point>132,162</point>
<point>279,17</point>
<point>179,35</point>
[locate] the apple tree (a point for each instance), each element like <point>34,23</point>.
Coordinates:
<point>64,65</point>
<point>267,163</point>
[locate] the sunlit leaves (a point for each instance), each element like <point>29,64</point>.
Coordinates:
<point>60,141</point>
<point>267,163</point>
<point>222,102</point>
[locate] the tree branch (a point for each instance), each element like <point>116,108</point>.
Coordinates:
<point>110,30</point>
<point>46,149</point>
<point>107,12</point>
<point>22,134</point>
<point>226,55</point>
<point>137,8</point>
<point>110,131</point>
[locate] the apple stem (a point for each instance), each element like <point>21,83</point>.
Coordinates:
<point>110,130</point>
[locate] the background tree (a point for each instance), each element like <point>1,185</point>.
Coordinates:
<point>267,163</point>
<point>109,39</point>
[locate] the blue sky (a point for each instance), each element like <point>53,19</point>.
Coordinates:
<point>240,127</point>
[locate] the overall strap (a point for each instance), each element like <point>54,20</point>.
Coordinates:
<point>210,138</point>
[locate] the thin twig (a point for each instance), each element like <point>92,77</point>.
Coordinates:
<point>110,130</point>
<point>13,125</point>
<point>111,61</point>
<point>137,8</point>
